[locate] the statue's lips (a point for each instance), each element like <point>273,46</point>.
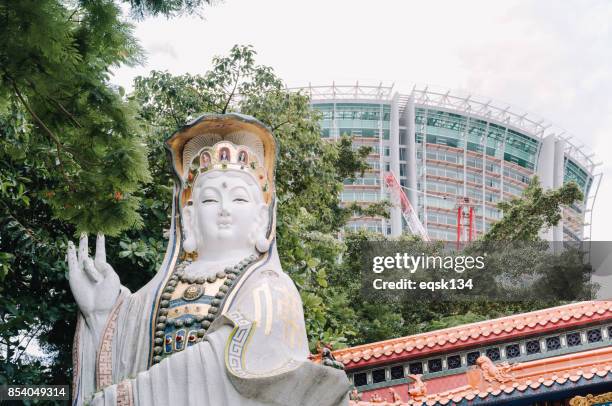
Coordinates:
<point>224,223</point>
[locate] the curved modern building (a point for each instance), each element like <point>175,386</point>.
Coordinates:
<point>456,156</point>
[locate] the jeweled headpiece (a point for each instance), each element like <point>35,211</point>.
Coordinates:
<point>223,142</point>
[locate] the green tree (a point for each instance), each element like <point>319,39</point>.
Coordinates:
<point>54,68</point>
<point>168,8</point>
<point>536,209</point>
<point>71,159</point>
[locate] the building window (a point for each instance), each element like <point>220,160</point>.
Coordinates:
<point>378,375</point>
<point>553,343</point>
<point>493,354</point>
<point>472,356</point>
<point>397,372</point>
<point>434,365</point>
<point>513,351</point>
<point>454,362</point>
<point>573,339</point>
<point>533,347</point>
<point>360,379</point>
<point>594,335</point>
<point>416,368</point>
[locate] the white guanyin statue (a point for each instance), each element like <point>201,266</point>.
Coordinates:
<point>220,323</point>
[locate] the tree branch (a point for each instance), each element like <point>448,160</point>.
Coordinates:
<point>25,229</point>
<point>26,346</point>
<point>173,112</point>
<point>229,99</point>
<point>54,138</point>
<point>280,125</point>
<point>58,104</point>
<point>72,15</point>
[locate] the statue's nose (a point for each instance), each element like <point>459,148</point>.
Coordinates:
<point>223,212</point>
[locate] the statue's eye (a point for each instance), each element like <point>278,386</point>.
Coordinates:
<point>209,201</point>
<point>241,200</point>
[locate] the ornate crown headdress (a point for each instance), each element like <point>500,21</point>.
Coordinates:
<point>223,142</point>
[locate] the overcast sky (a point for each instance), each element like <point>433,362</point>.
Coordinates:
<point>551,58</point>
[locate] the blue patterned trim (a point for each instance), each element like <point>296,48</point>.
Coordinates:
<point>169,266</point>
<point>204,299</point>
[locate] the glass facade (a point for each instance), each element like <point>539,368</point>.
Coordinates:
<point>369,120</point>
<point>453,155</point>
<point>369,124</point>
<point>574,172</point>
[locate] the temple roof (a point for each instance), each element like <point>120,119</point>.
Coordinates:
<point>466,335</point>
<point>525,379</point>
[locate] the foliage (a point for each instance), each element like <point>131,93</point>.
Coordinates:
<point>54,68</point>
<point>71,159</point>
<point>535,210</point>
<point>168,8</point>
<point>34,292</point>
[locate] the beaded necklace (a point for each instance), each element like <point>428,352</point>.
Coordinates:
<point>171,333</point>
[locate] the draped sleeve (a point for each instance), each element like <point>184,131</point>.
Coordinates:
<point>91,354</point>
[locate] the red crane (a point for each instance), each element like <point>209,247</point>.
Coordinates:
<point>411,217</point>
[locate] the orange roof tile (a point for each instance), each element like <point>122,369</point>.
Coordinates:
<point>528,375</point>
<point>468,334</point>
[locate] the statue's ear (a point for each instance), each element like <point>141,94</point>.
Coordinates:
<point>189,240</point>
<point>263,217</point>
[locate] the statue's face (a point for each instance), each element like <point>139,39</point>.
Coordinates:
<point>228,212</point>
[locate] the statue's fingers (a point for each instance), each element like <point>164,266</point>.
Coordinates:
<point>83,249</point>
<point>73,262</point>
<point>105,269</point>
<point>90,270</point>
<point>100,258</point>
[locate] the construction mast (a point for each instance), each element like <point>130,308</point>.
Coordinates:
<point>412,219</point>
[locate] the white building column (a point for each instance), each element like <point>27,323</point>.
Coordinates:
<point>394,142</point>
<point>546,173</point>
<point>411,157</point>
<point>558,177</point>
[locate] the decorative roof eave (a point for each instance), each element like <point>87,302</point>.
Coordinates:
<point>468,335</point>
<point>533,378</point>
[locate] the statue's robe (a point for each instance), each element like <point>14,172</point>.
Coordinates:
<point>256,353</point>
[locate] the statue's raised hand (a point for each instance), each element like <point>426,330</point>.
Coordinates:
<point>94,283</point>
